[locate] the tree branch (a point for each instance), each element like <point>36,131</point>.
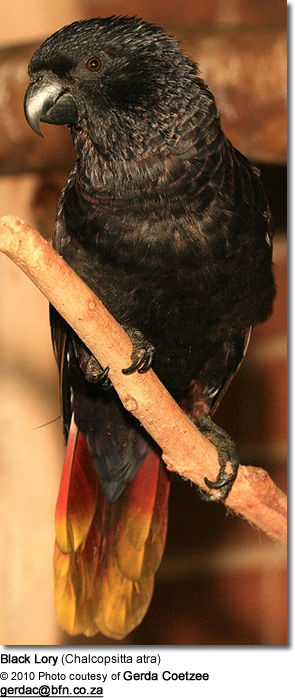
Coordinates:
<point>184,449</point>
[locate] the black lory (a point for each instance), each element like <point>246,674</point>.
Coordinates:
<point>169,225</point>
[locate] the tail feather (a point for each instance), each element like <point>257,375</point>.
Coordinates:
<point>141,530</point>
<point>106,552</point>
<point>139,501</point>
<point>122,602</point>
<point>77,495</point>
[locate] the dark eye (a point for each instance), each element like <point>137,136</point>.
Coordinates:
<point>94,64</point>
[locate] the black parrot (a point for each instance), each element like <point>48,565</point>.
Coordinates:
<point>169,225</point>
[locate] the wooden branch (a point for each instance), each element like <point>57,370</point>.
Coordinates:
<point>184,449</point>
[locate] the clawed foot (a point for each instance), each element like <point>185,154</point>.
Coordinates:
<point>93,371</point>
<point>227,457</point>
<point>142,354</point>
<point>141,358</point>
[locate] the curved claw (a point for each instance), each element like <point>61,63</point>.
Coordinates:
<point>218,484</point>
<point>104,380</point>
<point>103,374</point>
<point>142,360</point>
<point>148,362</point>
<point>133,367</point>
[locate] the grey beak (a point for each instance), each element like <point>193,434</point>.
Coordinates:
<point>49,102</point>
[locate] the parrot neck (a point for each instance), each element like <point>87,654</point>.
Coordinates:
<point>132,148</point>
<point>116,179</point>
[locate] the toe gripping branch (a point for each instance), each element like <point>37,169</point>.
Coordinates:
<point>90,367</point>
<point>142,354</point>
<point>227,457</point>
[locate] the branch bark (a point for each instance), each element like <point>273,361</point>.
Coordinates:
<point>184,450</point>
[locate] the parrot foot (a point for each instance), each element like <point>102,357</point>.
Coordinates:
<point>142,354</point>
<point>93,371</point>
<point>227,457</point>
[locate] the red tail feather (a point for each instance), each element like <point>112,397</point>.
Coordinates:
<point>77,495</point>
<point>107,553</point>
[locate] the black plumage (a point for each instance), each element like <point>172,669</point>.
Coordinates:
<point>161,216</point>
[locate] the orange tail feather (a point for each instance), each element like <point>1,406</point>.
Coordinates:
<point>107,553</point>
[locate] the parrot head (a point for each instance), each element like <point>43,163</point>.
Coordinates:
<point>115,79</point>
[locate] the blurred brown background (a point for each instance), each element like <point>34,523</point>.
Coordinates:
<point>221,582</point>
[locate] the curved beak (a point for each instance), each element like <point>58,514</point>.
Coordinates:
<point>49,102</point>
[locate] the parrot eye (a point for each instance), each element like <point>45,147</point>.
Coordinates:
<point>94,64</point>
